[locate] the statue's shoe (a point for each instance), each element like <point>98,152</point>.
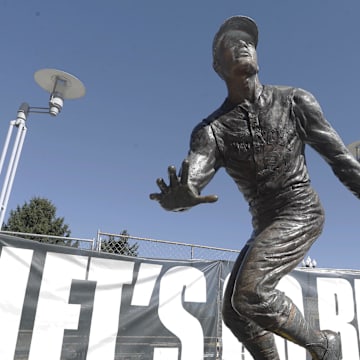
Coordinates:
<point>331,349</point>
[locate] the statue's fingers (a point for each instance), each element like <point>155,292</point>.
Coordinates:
<point>162,185</point>
<point>155,196</point>
<point>208,198</point>
<point>173,179</point>
<point>184,172</point>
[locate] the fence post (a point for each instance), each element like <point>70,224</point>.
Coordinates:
<point>98,241</point>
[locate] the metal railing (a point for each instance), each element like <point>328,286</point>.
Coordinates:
<point>81,243</point>
<point>162,249</point>
<point>126,244</point>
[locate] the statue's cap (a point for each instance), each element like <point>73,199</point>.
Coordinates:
<point>242,23</point>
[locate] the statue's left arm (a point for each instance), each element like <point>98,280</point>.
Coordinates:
<point>183,190</point>
<point>316,131</point>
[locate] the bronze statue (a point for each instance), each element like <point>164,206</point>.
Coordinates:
<point>258,135</point>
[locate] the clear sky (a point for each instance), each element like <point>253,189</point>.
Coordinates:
<point>147,70</point>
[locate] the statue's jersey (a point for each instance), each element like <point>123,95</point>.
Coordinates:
<point>261,146</point>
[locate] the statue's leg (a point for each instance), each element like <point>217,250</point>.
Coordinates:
<point>322,345</point>
<point>271,254</point>
<point>258,341</point>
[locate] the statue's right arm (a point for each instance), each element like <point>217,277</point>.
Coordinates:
<point>319,134</point>
<point>198,168</point>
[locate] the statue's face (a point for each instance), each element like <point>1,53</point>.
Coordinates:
<point>236,55</point>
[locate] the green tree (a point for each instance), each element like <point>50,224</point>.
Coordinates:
<point>120,245</point>
<point>38,217</point>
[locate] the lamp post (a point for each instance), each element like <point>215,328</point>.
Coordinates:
<point>60,85</point>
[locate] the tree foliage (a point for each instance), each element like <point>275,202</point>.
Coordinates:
<point>38,216</point>
<point>120,245</point>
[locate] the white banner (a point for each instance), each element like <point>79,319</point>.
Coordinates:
<point>64,303</point>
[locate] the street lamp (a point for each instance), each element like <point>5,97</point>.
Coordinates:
<point>60,85</point>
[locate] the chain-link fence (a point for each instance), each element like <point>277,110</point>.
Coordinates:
<point>86,244</point>
<point>125,244</point>
<point>162,249</point>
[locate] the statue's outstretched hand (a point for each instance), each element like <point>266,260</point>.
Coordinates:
<point>178,195</point>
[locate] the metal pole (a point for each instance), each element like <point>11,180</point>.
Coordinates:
<point>14,168</point>
<point>98,241</point>
<point>6,145</point>
<point>14,158</point>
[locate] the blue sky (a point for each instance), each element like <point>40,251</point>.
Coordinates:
<point>147,70</point>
